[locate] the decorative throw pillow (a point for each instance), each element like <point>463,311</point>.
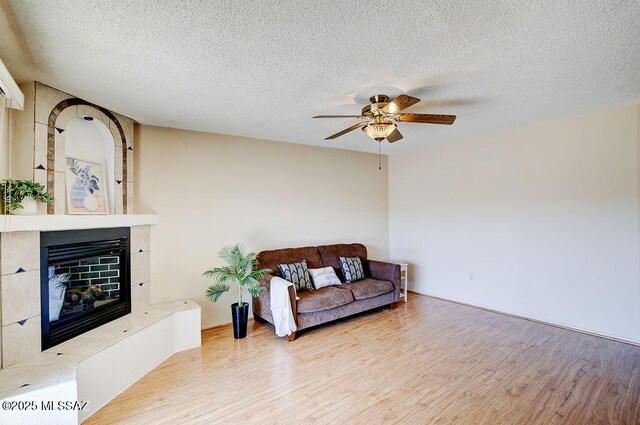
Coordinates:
<point>324,277</point>
<point>297,274</point>
<point>351,269</point>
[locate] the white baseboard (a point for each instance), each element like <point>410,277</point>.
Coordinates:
<point>532,319</point>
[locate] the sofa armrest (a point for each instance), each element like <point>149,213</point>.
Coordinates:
<point>262,303</point>
<point>265,282</point>
<point>386,271</point>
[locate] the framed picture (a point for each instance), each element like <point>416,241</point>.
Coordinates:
<point>86,187</point>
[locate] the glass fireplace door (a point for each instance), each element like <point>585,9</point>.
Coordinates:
<point>84,281</point>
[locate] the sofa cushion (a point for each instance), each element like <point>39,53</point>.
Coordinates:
<point>331,254</point>
<point>323,299</point>
<point>271,259</point>
<point>369,288</point>
<point>297,274</point>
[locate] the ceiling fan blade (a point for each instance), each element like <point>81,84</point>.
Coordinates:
<point>426,118</point>
<point>394,136</point>
<point>400,103</point>
<point>346,130</point>
<point>338,116</point>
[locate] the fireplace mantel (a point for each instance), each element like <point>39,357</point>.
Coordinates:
<point>16,223</point>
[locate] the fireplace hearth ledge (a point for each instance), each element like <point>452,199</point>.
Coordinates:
<point>45,223</point>
<point>77,369</point>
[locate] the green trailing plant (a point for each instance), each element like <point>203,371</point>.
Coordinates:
<point>14,191</point>
<point>241,270</point>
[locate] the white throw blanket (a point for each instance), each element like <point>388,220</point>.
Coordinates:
<point>281,307</point>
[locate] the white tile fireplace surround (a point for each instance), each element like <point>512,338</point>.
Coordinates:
<point>71,371</point>
<point>97,336</point>
<point>20,276</point>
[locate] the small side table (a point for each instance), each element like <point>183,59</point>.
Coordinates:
<point>404,276</point>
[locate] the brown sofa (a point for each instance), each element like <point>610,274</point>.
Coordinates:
<point>380,288</point>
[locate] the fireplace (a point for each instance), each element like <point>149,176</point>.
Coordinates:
<point>84,281</point>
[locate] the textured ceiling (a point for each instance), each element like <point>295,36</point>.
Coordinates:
<point>264,68</point>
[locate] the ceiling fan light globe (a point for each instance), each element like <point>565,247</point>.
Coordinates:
<point>379,130</point>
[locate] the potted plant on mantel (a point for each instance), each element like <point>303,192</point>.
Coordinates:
<point>241,270</point>
<point>21,197</point>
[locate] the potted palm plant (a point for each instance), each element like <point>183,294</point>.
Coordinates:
<point>241,269</point>
<point>20,197</point>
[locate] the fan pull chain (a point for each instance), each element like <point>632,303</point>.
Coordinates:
<point>379,156</point>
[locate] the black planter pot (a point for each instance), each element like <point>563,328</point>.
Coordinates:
<point>240,316</point>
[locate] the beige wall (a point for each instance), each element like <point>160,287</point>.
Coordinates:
<point>22,137</point>
<point>4,139</point>
<point>540,221</point>
<point>211,190</point>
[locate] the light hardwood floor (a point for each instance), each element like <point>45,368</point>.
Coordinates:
<point>426,362</point>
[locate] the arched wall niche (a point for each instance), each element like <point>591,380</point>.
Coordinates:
<point>56,156</point>
<point>89,139</point>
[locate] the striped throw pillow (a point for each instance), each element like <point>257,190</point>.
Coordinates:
<point>351,269</point>
<point>297,274</point>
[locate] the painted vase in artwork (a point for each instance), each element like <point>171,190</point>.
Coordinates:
<point>78,193</point>
<point>85,193</point>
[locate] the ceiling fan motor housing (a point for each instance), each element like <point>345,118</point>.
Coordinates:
<point>378,102</point>
<point>379,98</point>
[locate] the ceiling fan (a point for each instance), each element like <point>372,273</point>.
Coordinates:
<point>380,114</point>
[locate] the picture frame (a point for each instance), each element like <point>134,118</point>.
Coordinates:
<point>86,188</point>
